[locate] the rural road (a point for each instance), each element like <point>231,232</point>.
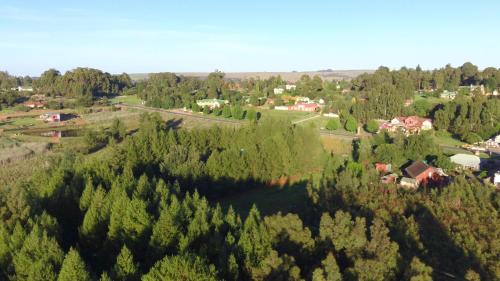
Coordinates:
<point>175,112</point>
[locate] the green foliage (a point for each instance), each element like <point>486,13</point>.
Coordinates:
<point>73,268</point>
<point>351,124</point>
<point>188,268</point>
<point>332,124</point>
<point>371,126</point>
<point>418,271</point>
<point>125,268</point>
<point>237,112</point>
<point>226,112</point>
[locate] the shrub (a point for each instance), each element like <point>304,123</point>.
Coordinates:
<point>371,126</point>
<point>332,124</point>
<point>351,124</point>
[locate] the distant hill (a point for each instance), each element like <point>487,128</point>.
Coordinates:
<point>289,76</point>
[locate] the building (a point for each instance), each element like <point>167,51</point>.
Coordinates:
<point>448,95</point>
<point>467,161</point>
<point>51,117</point>
<point>290,87</point>
<point>309,107</point>
<point>408,183</point>
<point>278,91</point>
<point>421,172</point>
<point>390,178</point>
<point>22,89</point>
<point>496,179</point>
<point>407,124</point>
<point>211,103</point>
<point>408,102</point>
<point>34,104</point>
<point>383,168</point>
<point>302,100</point>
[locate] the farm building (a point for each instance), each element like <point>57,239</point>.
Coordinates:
<point>496,179</point>
<point>34,104</point>
<point>467,161</point>
<point>309,107</point>
<point>383,168</point>
<point>408,183</point>
<point>448,95</point>
<point>51,117</point>
<point>211,103</point>
<point>278,91</point>
<point>420,171</point>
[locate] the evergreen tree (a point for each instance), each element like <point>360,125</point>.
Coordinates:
<point>187,268</point>
<point>125,268</point>
<point>73,268</point>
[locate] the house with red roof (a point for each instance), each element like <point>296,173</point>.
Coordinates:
<point>421,172</point>
<point>407,124</point>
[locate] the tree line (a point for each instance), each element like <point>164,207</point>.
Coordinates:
<point>145,210</point>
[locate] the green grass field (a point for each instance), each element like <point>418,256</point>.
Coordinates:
<point>429,99</point>
<point>132,100</point>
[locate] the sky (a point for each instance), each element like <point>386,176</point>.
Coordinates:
<point>241,36</point>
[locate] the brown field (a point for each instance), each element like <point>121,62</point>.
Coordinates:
<point>288,76</point>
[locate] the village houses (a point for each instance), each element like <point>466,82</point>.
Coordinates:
<point>408,125</point>
<point>211,103</point>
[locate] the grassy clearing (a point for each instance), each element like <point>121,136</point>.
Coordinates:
<point>336,146</point>
<point>429,99</point>
<point>289,115</point>
<point>133,100</point>
<point>445,138</point>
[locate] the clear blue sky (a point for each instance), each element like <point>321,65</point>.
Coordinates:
<point>150,36</point>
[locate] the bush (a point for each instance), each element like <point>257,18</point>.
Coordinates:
<point>237,112</point>
<point>206,110</point>
<point>251,115</point>
<point>21,107</point>
<point>471,138</point>
<point>371,126</point>
<point>195,107</point>
<point>351,124</point>
<point>332,124</point>
<point>217,111</point>
<point>226,112</point>
<point>54,104</point>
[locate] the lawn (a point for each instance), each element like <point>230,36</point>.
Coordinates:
<point>429,99</point>
<point>132,100</point>
<point>445,138</point>
<point>289,115</point>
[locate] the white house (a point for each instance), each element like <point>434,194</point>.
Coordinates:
<point>467,161</point>
<point>22,89</point>
<point>448,95</point>
<point>496,179</point>
<point>211,103</point>
<point>290,87</point>
<point>278,91</point>
<point>302,100</point>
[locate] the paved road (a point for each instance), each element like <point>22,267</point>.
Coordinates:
<point>175,112</point>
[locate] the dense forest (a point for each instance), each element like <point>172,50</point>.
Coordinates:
<point>145,209</point>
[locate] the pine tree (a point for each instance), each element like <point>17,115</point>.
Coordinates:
<point>330,270</point>
<point>39,258</point>
<point>125,268</point>
<point>73,268</point>
<point>254,243</point>
<point>418,271</point>
<point>186,268</point>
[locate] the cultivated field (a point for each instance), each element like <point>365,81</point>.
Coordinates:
<point>288,76</point>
